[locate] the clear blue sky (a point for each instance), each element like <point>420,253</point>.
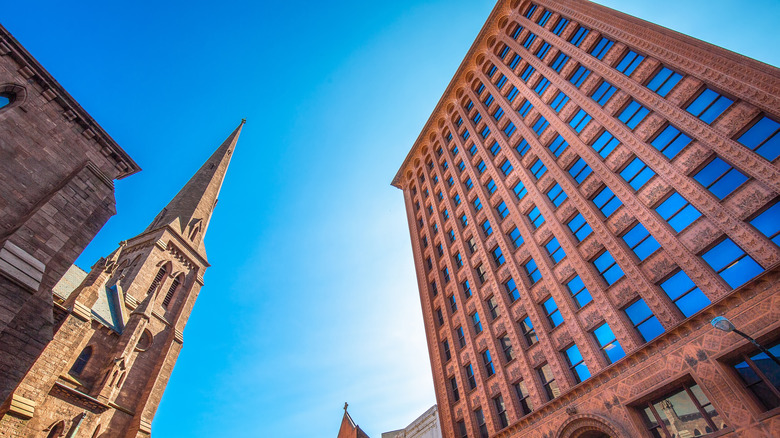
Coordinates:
<point>312,298</point>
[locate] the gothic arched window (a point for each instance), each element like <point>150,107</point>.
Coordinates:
<point>157,280</point>
<point>56,430</point>
<point>5,99</point>
<point>168,296</point>
<point>81,361</point>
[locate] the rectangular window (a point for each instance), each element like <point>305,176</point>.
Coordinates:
<point>607,202</point>
<point>455,392</point>
<point>450,181</point>
<point>540,125</point>
<point>522,147</point>
<point>490,186</point>
<point>580,170</point>
<point>684,294</point>
<point>477,204</point>
<point>538,169</point>
<point>732,263</point>
<point>464,220</point>
<point>517,31</point>
<point>579,76</point>
<point>519,190</point>
<point>768,224</point>
<point>465,134</point>
<point>476,323</point>
<point>501,81</point>
<point>559,101</point>
<point>498,256</point>
<point>677,211</point>
<point>548,381</point>
<point>506,167</point>
<point>466,289</point>
<point>633,114</point>
<point>453,304</point>
<point>511,94</point>
<point>629,63</point>
<point>580,120</point>
<point>560,25</point>
<point>603,93</point>
<point>458,260</point>
<point>503,52</point>
<point>446,348</point>
<point>515,60</point>
<point>485,132</point>
<point>536,218</point>
<point>720,178</point>
<point>481,273</point>
<point>552,312</point>
<point>670,141</point>
<point>498,114</point>
<point>525,108</point>
<point>527,72</point>
<point>470,376</point>
<point>554,250</point>
<point>498,401</point>
<point>605,143</point>
<point>516,238</point>
<point>577,364</point>
<point>492,305</point>
<point>461,336</point>
<point>472,245</point>
<point>486,228</point>
<point>451,235</point>
<point>578,291</point>
<point>489,100</point>
<point>643,320</point>
<point>477,117</point>
<point>760,375</point>
<point>461,166</point>
<point>579,227</point>
<point>542,86</point>
<point>557,195</point>
<point>702,416</point>
<point>483,432</point>
<point>709,105</point>
<point>470,105</point>
<point>502,210</point>
<point>608,268</point>
<point>544,17</point>
<point>463,433</point>
<point>663,81</point>
<point>439,317</point>
<point>510,129</point>
<point>529,39</point>
<point>601,48</point>
<point>434,289</point>
<point>446,274</point>
<point>488,362</point>
<point>480,88</point>
<point>559,62</point>
<point>468,184</point>
<point>579,35</point>
<point>528,331</point>
<point>558,145</point>
<point>542,50</point>
<point>608,343</point>
<point>506,346</point>
<point>763,138</point>
<point>524,397</point>
<point>511,290</point>
<point>456,199</point>
<point>532,271</point>
<point>641,241</point>
<point>637,174</point>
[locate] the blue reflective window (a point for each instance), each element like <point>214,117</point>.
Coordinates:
<point>608,343</point>
<point>446,274</point>
<point>477,117</point>
<point>678,212</point>
<point>529,333</point>
<point>517,31</point>
<point>579,35</point>
<point>577,364</point>
<point>510,129</point>
<point>579,76</point>
<point>525,108</point>
<point>671,141</point>
<point>579,227</point>
<point>544,17</point>
<point>559,101</point>
<point>552,312</point>
<point>605,143</point>
<point>557,195</point>
<point>462,343</point>
<point>481,166</point>
<point>522,147</point>
<point>491,186</point>
<point>468,184</point>
<point>542,50</point>
<point>580,170</point>
<point>459,122</point>
<point>633,114</point>
<point>477,204</point>
<point>520,190</point>
<point>664,81</point>
<point>511,290</point>
<point>637,173</point>
<point>486,228</point>
<point>485,132</point>
<point>527,72</point>
<point>554,250</point>
<point>529,39</point>
<point>516,237</point>
<point>644,321</point>
<point>538,168</point>
<point>449,137</point>
<point>560,25</point>
<point>502,210</point>
<point>465,134</point>
<point>501,81</point>
<point>470,376</point>
<point>535,216</point>
<point>720,178</point>
<point>602,47</point>
<point>578,291</point>
<point>558,145</point>
<point>488,99</point>
<point>641,241</point>
<point>498,256</point>
<point>503,52</point>
<point>763,138</point>
<point>731,263</point>
<point>515,60</point>
<point>458,260</point>
<point>464,220</point>
<point>559,62</point>
<point>488,362</point>
<point>709,105</point>
<point>4,100</point>
<point>542,86</point>
<point>498,113</point>
<point>456,199</point>
<point>511,94</point>
<point>608,268</point>
<point>540,125</point>
<point>685,294</point>
<point>629,63</point>
<point>530,11</point>
<point>607,202</point>
<point>491,71</point>
<point>603,93</point>
<point>506,167</point>
<point>768,223</point>
<point>495,148</point>
<point>580,120</point>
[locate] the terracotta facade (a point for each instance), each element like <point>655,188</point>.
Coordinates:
<point>556,159</point>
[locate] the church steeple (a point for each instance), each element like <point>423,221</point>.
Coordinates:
<point>189,212</point>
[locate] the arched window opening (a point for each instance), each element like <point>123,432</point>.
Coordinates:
<point>81,361</point>
<point>145,341</point>
<point>56,430</point>
<point>6,99</point>
<point>113,378</point>
<point>157,280</point>
<point>171,291</point>
<point>121,379</point>
<point>96,432</point>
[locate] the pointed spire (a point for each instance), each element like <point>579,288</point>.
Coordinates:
<point>189,212</point>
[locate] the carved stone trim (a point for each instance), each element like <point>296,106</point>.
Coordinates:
<point>21,267</point>
<point>579,425</point>
<point>145,427</point>
<point>178,336</point>
<point>161,244</point>
<point>81,311</point>
<point>199,279</point>
<point>22,407</point>
<point>131,302</point>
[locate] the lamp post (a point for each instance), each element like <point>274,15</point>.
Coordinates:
<point>723,324</point>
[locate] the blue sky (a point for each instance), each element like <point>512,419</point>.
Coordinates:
<point>311,300</point>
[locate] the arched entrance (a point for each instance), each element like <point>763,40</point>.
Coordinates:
<point>588,426</point>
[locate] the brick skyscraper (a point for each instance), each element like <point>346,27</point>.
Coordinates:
<point>590,192</point>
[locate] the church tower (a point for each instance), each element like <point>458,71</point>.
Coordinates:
<point>120,330</point>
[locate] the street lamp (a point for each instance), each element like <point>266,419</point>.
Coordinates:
<point>723,324</point>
